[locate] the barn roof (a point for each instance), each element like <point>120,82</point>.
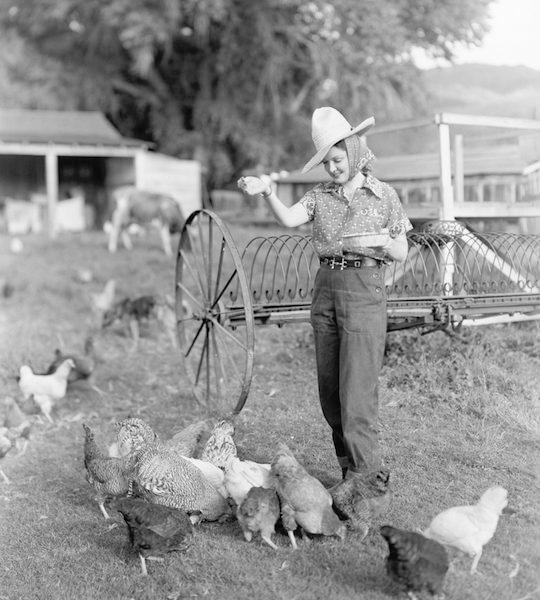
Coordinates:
<point>495,160</point>
<point>60,127</point>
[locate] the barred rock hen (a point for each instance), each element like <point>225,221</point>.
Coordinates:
<point>220,445</point>
<point>259,512</point>
<point>164,477</point>
<point>305,502</point>
<point>469,528</point>
<point>360,500</point>
<point>110,476</point>
<point>153,529</point>
<point>414,561</point>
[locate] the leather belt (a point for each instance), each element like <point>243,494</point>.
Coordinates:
<point>340,262</point>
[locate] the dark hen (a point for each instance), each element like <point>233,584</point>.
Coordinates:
<point>359,500</point>
<point>259,512</point>
<point>84,363</point>
<point>154,530</point>
<point>415,562</point>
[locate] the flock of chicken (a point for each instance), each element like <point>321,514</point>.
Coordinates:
<point>164,488</point>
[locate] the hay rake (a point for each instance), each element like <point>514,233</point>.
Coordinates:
<point>451,276</point>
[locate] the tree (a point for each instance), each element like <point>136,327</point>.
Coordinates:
<point>232,82</point>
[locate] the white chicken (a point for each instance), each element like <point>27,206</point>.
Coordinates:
<point>104,301</point>
<point>469,528</point>
<point>242,475</point>
<point>45,388</point>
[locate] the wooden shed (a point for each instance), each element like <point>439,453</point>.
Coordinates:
<point>58,167</point>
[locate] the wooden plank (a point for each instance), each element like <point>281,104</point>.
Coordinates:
<point>69,150</point>
<point>484,121</point>
<point>496,209</point>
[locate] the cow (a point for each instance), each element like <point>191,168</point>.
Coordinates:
<point>141,207</point>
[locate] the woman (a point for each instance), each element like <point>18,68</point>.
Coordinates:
<point>348,311</point>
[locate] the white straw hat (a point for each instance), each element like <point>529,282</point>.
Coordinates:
<point>328,127</point>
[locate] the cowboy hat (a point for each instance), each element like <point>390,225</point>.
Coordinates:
<point>328,127</point>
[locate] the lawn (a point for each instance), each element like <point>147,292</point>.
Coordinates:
<point>456,417</point>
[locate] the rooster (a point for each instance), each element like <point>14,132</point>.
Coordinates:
<point>414,561</point>
<point>305,502</point>
<point>153,529</point>
<point>109,476</point>
<point>259,512</point>
<point>469,528</point>
<point>45,389</point>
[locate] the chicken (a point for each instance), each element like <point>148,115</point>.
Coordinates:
<point>18,423</point>
<point>414,561</point>
<point>6,445</point>
<point>104,300</point>
<point>83,364</point>
<point>469,528</point>
<point>305,502</point>
<point>109,476</point>
<point>153,529</point>
<point>242,475</point>
<point>360,500</point>
<point>220,445</point>
<point>165,477</point>
<point>214,475</point>
<point>46,389</point>
<point>188,440</point>
<point>259,512</point>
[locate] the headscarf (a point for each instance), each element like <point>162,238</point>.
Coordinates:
<point>359,155</point>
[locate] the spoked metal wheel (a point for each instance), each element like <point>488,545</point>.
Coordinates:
<point>214,314</point>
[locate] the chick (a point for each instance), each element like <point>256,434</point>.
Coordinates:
<point>259,512</point>
<point>220,445</point>
<point>164,477</point>
<point>110,477</point>
<point>359,500</point>
<point>304,499</point>
<point>414,561</point>
<point>153,529</point>
<point>242,475</point>
<point>469,528</point>
<point>46,389</point>
<point>18,423</point>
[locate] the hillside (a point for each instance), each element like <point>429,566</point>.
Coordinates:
<point>485,89</point>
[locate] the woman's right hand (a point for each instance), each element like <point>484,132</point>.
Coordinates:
<point>253,185</point>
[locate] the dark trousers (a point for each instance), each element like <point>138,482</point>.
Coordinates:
<point>348,315</point>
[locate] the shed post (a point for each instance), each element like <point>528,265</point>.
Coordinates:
<point>51,181</point>
<point>459,176</point>
<point>445,169</point>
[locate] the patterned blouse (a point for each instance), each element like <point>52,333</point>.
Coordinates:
<point>374,205</point>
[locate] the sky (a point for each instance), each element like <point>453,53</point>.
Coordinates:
<point>514,38</point>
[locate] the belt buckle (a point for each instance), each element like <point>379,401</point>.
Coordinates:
<point>334,264</point>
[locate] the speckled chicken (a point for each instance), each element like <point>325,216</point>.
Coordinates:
<point>305,502</point>
<point>165,477</point>
<point>259,513</point>
<point>415,562</point>
<point>110,477</point>
<point>469,528</point>
<point>359,500</point>
<point>154,530</point>
<point>220,445</point>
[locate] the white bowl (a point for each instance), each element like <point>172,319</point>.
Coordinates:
<point>364,240</point>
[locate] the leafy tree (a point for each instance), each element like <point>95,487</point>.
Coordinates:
<point>230,82</point>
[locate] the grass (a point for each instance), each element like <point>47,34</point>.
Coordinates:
<point>455,418</point>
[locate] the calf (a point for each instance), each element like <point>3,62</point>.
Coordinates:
<point>131,205</point>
